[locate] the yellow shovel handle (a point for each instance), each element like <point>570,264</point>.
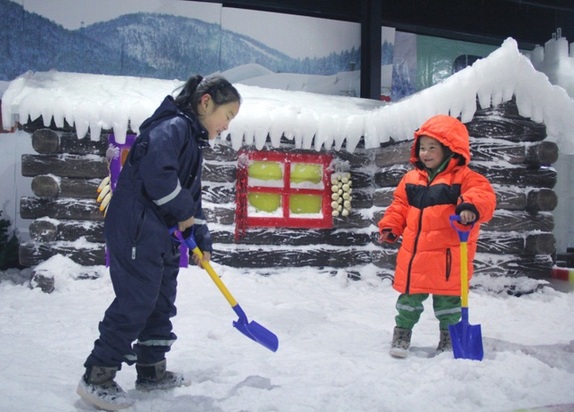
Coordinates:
<point>207,266</point>
<point>464,273</point>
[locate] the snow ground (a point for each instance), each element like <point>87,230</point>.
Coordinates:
<point>334,336</point>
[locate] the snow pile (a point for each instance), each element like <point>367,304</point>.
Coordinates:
<point>334,336</point>
<point>315,121</point>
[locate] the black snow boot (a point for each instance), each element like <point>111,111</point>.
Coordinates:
<point>444,343</point>
<point>401,342</point>
<point>155,376</point>
<point>97,387</point>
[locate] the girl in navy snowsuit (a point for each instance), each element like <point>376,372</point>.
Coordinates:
<point>159,187</point>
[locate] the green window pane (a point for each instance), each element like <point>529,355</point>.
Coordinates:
<point>265,170</point>
<point>264,202</point>
<point>305,204</point>
<point>306,172</point>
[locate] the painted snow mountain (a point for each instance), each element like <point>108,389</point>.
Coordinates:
<point>142,44</point>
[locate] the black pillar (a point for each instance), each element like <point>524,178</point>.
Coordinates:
<point>371,21</point>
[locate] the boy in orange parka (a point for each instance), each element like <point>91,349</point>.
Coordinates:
<point>428,261</point>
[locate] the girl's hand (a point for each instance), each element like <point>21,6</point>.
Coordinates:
<point>185,224</point>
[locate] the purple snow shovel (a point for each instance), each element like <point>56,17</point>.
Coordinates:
<point>466,338</point>
<point>252,330</point>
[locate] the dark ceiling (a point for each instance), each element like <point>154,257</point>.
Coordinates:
<point>529,22</point>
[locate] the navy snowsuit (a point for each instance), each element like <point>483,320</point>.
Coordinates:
<point>159,185</point>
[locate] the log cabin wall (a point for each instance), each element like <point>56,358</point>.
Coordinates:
<point>511,151</point>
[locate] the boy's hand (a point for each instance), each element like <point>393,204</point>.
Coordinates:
<point>467,217</point>
<point>387,236</point>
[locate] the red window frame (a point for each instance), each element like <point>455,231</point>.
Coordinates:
<point>286,158</point>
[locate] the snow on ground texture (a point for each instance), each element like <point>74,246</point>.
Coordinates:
<point>334,336</point>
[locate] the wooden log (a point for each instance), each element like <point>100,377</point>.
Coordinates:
<point>532,154</point>
<point>391,154</point>
<point>519,176</point>
<point>70,144</point>
<point>222,152</point>
<point>89,167</point>
<point>502,123</point>
<point>46,141</point>
<point>219,214</point>
<point>540,244</point>
<point>500,243</point>
<point>49,141</point>
<point>294,237</point>
<point>218,193</point>
<point>49,230</point>
<point>540,200</point>
<point>359,158</point>
<point>512,265</point>
<point>390,176</point>
<point>290,257</point>
<point>219,172</point>
<point>545,153</point>
<point>509,197</point>
<point>519,221</point>
<point>43,230</point>
<point>538,266</point>
<point>50,186</point>
<point>32,253</point>
<point>356,220</point>
<point>383,197</point>
<point>61,208</point>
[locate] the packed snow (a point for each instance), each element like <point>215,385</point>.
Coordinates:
<point>334,337</point>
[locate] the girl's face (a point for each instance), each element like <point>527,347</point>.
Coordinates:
<point>431,152</point>
<point>216,118</point>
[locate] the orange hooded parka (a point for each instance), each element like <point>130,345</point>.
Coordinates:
<point>428,260</point>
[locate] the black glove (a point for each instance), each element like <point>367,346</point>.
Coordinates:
<point>387,236</point>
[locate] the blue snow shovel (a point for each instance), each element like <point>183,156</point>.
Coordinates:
<point>466,338</point>
<point>252,330</point>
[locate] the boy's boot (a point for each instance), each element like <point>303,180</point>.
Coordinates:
<point>444,343</point>
<point>155,376</point>
<point>97,387</point>
<point>401,342</point>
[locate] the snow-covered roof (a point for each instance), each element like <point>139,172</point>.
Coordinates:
<point>313,120</point>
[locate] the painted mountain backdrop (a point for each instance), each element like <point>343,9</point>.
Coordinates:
<point>142,44</point>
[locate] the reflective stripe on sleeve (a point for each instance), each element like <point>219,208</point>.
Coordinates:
<point>169,197</point>
<point>157,342</point>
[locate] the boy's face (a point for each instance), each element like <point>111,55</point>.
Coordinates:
<point>431,152</point>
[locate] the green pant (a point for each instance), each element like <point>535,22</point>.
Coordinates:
<point>410,307</point>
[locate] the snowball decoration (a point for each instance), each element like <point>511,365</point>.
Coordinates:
<point>341,187</point>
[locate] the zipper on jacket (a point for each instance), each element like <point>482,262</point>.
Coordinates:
<point>137,234</point>
<point>448,263</point>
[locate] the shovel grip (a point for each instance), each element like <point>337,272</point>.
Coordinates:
<point>463,237</point>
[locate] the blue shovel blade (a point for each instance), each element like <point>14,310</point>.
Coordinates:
<point>466,341</point>
<point>258,333</point>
